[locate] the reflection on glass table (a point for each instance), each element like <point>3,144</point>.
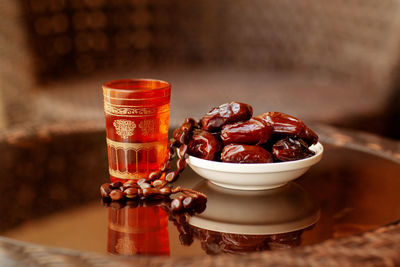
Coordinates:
<point>233,222</point>
<point>356,191</point>
<point>244,221</point>
<point>138,230</point>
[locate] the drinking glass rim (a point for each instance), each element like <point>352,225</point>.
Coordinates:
<point>107,85</point>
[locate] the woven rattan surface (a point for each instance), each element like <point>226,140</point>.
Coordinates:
<point>376,248</point>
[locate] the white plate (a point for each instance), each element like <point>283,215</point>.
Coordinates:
<point>254,176</point>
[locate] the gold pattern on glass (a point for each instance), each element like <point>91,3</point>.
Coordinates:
<point>134,99</point>
<point>131,229</point>
<point>133,146</point>
<point>124,128</point>
<point>124,175</point>
<point>164,128</point>
<point>136,147</point>
<point>128,111</point>
<point>125,246</point>
<point>147,126</point>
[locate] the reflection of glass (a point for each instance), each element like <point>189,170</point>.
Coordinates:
<point>243,221</point>
<point>139,230</point>
<point>136,113</point>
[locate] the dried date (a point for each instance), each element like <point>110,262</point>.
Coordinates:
<point>204,145</point>
<point>245,154</point>
<point>225,114</point>
<point>286,125</point>
<point>290,149</point>
<point>252,132</point>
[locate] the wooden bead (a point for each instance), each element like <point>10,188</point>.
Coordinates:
<point>180,165</point>
<point>186,126</point>
<point>182,151</point>
<point>105,190</point>
<point>166,166</point>
<point>159,183</point>
<point>116,194</point>
<point>116,185</point>
<point>155,175</point>
<point>171,177</point>
<point>131,192</point>
<point>166,191</point>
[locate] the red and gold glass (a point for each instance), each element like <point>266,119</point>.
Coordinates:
<point>137,116</point>
<point>140,230</point>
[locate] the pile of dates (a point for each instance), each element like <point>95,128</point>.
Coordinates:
<point>230,133</point>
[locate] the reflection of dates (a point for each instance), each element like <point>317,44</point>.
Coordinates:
<point>284,124</point>
<point>245,154</point>
<point>290,149</point>
<point>253,131</point>
<point>204,145</point>
<point>217,242</point>
<point>226,113</point>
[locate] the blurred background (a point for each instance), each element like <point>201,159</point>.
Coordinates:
<point>334,62</point>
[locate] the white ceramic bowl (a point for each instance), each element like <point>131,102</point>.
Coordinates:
<point>254,176</point>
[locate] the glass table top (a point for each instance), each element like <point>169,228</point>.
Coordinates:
<point>348,192</point>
